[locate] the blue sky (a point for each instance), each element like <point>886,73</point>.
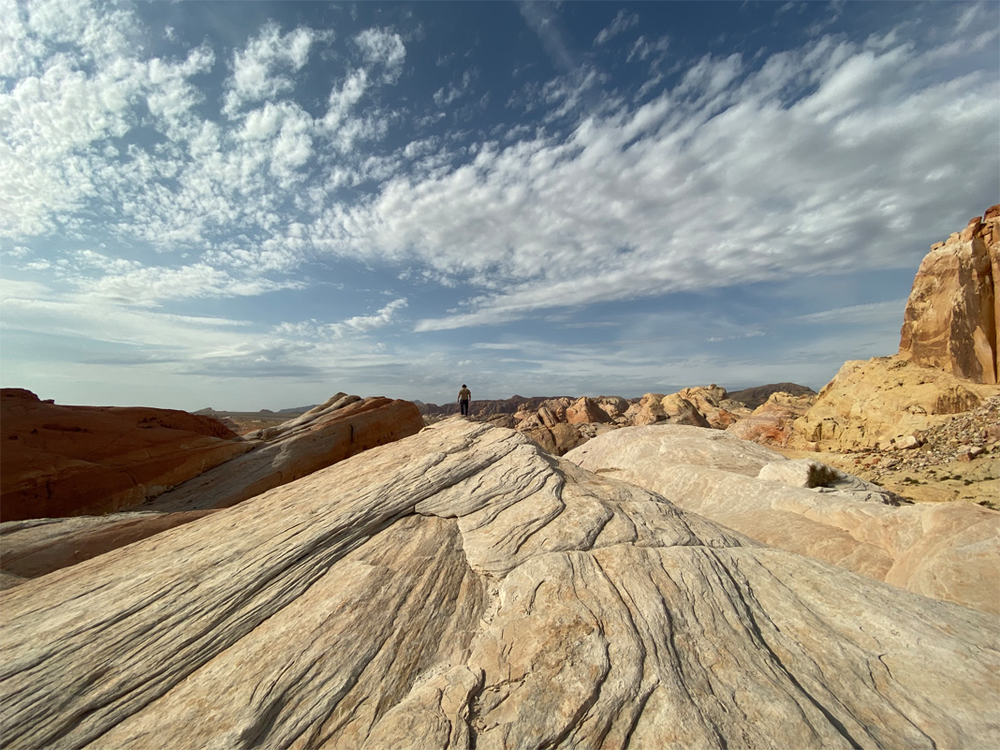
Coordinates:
<point>255,205</point>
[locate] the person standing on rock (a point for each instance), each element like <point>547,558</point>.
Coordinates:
<point>464,397</point>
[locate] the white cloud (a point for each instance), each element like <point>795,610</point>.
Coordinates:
<point>35,308</point>
<point>890,311</point>
<point>543,18</point>
<point>105,279</point>
<point>385,48</point>
<point>383,317</point>
<point>455,90</point>
<point>621,23</point>
<point>728,179</point>
<point>264,68</point>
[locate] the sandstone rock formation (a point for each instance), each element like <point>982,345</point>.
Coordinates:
<point>586,411</point>
<point>461,589</point>
<point>655,408</point>
<point>773,422</point>
<point>953,314</point>
<point>758,395</point>
<point>882,401</point>
<point>713,403</point>
<point>341,427</point>
<point>68,460</point>
<point>958,459</point>
<point>949,552</point>
<point>37,547</point>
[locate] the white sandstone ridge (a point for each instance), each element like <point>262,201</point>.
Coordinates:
<point>462,589</point>
<point>949,551</point>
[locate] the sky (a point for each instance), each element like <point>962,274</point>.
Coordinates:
<point>247,205</point>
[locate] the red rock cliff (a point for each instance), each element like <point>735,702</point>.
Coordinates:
<point>66,460</point>
<point>953,314</point>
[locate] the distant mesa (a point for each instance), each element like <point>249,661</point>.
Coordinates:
<point>758,395</point>
<point>297,409</point>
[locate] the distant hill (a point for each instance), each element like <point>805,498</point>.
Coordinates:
<point>297,409</point>
<point>754,397</point>
<point>484,408</point>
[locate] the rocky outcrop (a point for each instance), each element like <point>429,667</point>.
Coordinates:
<point>958,459</point>
<point>714,403</point>
<point>758,395</point>
<point>69,460</point>
<point>459,588</point>
<point>882,402</point>
<point>950,551</point>
<point>562,423</point>
<point>773,422</point>
<point>655,408</point>
<point>953,313</point>
<point>586,411</point>
<point>341,427</point>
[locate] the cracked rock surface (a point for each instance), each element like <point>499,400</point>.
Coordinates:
<point>947,551</point>
<point>462,589</point>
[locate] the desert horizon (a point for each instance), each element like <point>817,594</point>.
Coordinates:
<point>719,282</point>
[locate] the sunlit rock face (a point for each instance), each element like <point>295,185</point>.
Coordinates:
<point>460,588</point>
<point>949,551</point>
<point>343,426</point>
<point>881,402</point>
<point>953,313</point>
<point>61,460</point>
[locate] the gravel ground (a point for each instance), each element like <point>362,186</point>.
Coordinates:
<point>956,460</point>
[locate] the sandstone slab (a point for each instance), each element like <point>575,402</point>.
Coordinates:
<point>949,551</point>
<point>339,428</point>
<point>461,589</point>
<point>69,460</point>
<point>37,547</point>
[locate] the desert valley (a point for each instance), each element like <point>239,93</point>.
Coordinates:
<point>772,567</point>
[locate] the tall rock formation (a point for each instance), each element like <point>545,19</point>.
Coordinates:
<point>461,589</point>
<point>68,460</point>
<point>953,314</point>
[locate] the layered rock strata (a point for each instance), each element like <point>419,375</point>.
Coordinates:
<point>37,547</point>
<point>337,429</point>
<point>69,460</point>
<point>949,552</point>
<point>880,402</point>
<point>953,313</point>
<point>461,589</point>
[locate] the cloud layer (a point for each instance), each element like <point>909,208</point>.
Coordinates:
<point>380,185</point>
